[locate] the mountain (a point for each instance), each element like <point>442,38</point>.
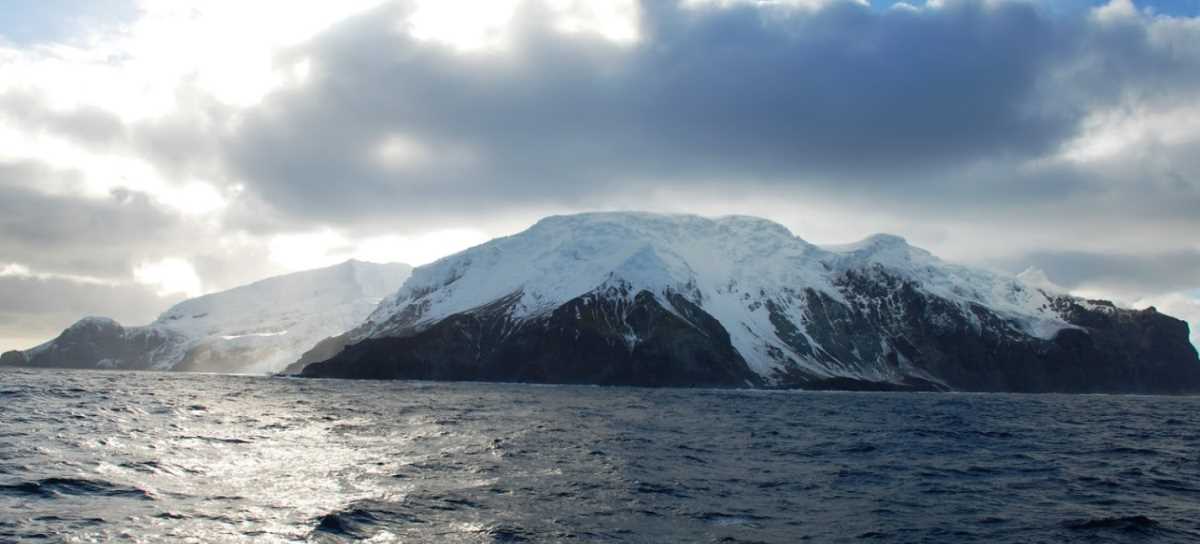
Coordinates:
<point>260,327</point>
<point>666,300</point>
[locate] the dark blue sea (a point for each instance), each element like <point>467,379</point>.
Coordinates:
<point>151,457</point>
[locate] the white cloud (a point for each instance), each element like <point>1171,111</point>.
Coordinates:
<point>17,270</point>
<point>1115,10</point>
<point>170,276</point>
<point>805,4</point>
<point>614,20</point>
<point>99,173</point>
<point>326,247</point>
<point>418,249</point>
<point>470,25</point>
<point>225,48</point>
<point>302,251</point>
<point>1107,134</point>
<point>464,24</point>
<point>398,151</point>
<point>194,198</point>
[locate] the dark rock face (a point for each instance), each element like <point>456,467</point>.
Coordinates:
<point>1113,350</point>
<point>13,358</point>
<point>594,339</point>
<point>324,350</point>
<point>891,329</point>
<point>96,343</point>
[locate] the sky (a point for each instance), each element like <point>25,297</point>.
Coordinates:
<point>153,150</point>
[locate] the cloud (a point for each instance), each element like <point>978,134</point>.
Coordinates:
<point>328,247</point>
<point>989,131</point>
<point>1132,274</point>
<point>955,108</point>
<point>741,94</point>
<point>79,234</point>
<point>170,276</point>
<point>90,125</point>
<point>70,235</point>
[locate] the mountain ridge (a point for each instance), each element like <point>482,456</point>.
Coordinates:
<point>879,312</point>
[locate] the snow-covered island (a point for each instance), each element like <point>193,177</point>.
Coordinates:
<point>682,300</point>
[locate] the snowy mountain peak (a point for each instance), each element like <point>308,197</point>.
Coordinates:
<point>750,274</point>
<point>646,223</point>
<point>563,257</point>
<point>748,225</point>
<point>94,322</point>
<point>885,249</point>
<point>874,243</point>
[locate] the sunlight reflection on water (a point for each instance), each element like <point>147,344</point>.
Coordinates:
<point>99,456</point>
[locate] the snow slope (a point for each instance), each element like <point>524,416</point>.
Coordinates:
<point>737,269</point>
<point>260,327</point>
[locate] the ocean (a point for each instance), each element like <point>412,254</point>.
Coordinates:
<point>90,456</point>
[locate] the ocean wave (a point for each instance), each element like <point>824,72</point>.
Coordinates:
<point>59,487</point>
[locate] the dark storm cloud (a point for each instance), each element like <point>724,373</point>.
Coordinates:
<point>744,94</point>
<point>846,98</point>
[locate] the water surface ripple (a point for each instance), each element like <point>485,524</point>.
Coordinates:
<point>147,457</point>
